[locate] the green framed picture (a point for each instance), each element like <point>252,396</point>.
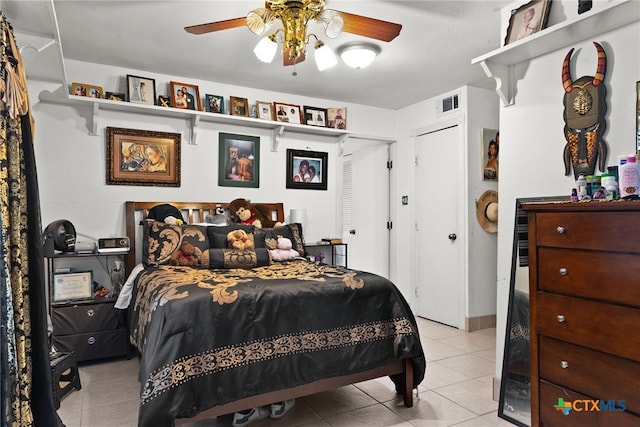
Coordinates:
<point>239,161</point>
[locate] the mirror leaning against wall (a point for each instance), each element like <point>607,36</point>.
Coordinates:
<point>515,383</point>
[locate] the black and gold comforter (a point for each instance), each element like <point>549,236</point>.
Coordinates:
<point>210,337</point>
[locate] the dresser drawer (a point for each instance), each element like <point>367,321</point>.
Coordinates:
<point>551,417</point>
<point>593,373</point>
<point>591,274</point>
<point>614,231</point>
<point>95,345</point>
<point>78,319</point>
<point>605,327</point>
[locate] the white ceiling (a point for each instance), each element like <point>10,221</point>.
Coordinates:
<point>432,55</point>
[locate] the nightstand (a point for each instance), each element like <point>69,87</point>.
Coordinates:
<point>82,323</point>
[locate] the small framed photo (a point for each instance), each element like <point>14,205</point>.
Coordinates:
<point>83,89</point>
<point>307,170</point>
<point>115,96</point>
<point>490,150</point>
<point>289,113</point>
<point>265,110</point>
<point>142,157</point>
<point>527,19</point>
<point>337,118</point>
<point>239,106</point>
<point>141,90</point>
<point>314,116</point>
<point>239,160</point>
<point>164,101</point>
<point>214,103</point>
<point>76,286</point>
<point>186,96</point>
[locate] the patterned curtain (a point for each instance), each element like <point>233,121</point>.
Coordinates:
<point>26,390</point>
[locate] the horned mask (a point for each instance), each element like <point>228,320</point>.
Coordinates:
<point>584,110</point>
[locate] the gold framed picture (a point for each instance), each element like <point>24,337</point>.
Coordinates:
<point>143,157</point>
<point>265,110</point>
<point>239,106</point>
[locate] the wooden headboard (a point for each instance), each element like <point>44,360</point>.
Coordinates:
<point>192,212</point>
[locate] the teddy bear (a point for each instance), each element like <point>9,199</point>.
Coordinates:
<point>253,214</point>
<point>240,240</point>
<point>188,255</point>
<point>284,251</point>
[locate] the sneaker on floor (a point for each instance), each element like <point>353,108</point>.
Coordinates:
<point>279,409</point>
<point>241,419</point>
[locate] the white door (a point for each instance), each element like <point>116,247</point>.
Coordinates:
<point>439,258</point>
<point>366,206</point>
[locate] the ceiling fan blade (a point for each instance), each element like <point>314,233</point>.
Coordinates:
<point>287,61</point>
<point>370,27</point>
<point>216,26</point>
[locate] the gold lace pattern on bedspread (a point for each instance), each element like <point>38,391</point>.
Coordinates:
<point>168,283</point>
<point>191,367</point>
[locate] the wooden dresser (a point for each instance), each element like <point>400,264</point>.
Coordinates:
<point>584,282</point>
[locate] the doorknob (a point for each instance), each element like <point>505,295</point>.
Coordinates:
<point>352,231</point>
<point>452,236</point>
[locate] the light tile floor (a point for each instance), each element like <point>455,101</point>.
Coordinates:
<point>457,391</point>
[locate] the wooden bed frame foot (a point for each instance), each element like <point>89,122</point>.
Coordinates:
<point>408,383</point>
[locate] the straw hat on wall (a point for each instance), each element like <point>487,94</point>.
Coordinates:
<point>487,211</point>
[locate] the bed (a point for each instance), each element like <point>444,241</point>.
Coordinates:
<point>240,330</point>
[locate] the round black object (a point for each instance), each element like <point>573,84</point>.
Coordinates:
<point>63,234</point>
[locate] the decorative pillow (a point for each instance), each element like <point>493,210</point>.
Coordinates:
<point>218,235</point>
<point>161,240</point>
<point>232,258</point>
<point>270,236</point>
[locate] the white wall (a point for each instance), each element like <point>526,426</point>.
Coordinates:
<point>531,132</point>
<point>72,164</point>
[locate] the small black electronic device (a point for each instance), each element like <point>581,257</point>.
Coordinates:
<point>113,244</point>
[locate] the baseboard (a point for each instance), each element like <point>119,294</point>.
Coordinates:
<point>480,322</point>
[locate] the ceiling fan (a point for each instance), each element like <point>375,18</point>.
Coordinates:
<point>295,15</point>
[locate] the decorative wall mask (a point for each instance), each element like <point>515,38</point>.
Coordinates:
<point>584,110</point>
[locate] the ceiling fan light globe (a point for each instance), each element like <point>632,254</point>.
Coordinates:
<point>331,22</point>
<point>266,50</point>
<point>260,20</point>
<point>359,55</point>
<point>324,56</point>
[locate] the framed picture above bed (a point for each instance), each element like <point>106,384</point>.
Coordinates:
<point>307,170</point>
<point>239,160</point>
<point>143,157</point>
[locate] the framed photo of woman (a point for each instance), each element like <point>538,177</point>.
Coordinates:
<point>527,19</point>
<point>490,151</point>
<point>238,160</point>
<point>141,90</point>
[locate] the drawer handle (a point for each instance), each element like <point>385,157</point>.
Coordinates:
<point>564,364</point>
<point>560,318</point>
<point>91,312</point>
<point>91,341</point>
<point>560,229</point>
<point>563,271</point>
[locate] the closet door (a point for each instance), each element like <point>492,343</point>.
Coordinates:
<point>366,206</point>
<point>440,243</point>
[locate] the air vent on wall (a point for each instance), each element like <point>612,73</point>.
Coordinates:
<point>448,103</point>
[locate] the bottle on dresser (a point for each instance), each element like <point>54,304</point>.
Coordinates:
<point>629,179</point>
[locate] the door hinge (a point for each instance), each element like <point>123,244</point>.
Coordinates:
<point>417,161</point>
<point>415,291</point>
<point>389,225</point>
<point>389,164</point>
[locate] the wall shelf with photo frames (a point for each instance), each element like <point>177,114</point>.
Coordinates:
<point>500,63</point>
<point>194,118</point>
